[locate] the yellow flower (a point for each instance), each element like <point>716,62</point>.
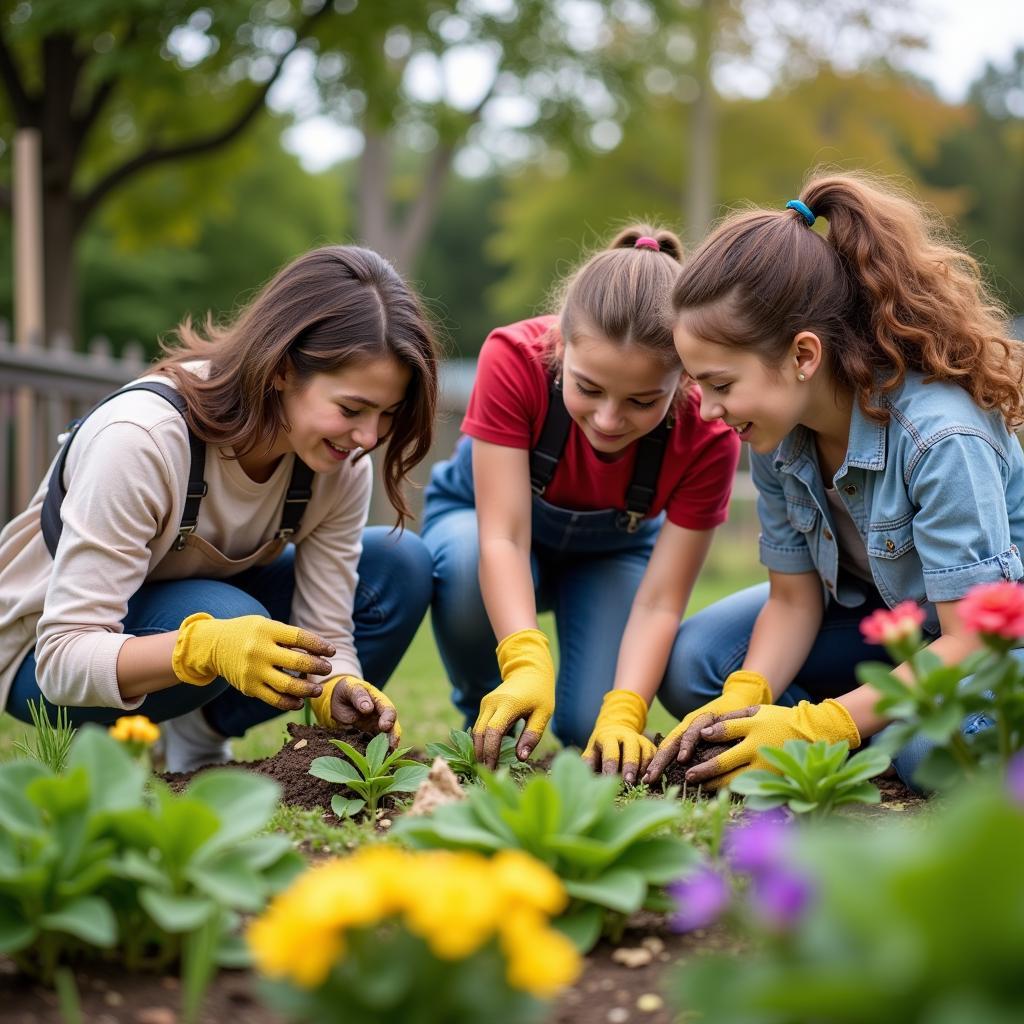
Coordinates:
<point>135,729</point>
<point>457,907</point>
<point>540,960</point>
<point>527,881</point>
<point>285,946</point>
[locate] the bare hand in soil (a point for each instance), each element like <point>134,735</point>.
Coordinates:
<point>354,703</point>
<point>677,750</point>
<point>701,774</point>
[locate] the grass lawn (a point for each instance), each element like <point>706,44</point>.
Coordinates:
<point>420,689</point>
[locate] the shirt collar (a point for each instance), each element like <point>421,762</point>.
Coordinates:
<point>866,450</point>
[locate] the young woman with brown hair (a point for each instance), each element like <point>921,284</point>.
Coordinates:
<point>195,512</point>
<point>586,484</point>
<point>872,375</point>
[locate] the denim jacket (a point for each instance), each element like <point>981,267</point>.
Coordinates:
<point>937,495</point>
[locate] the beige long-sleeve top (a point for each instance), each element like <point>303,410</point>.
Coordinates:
<point>126,475</point>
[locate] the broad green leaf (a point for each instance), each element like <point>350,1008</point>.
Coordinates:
<point>18,815</point>
<point>582,927</point>
<point>865,764</point>
<point>15,932</point>
<point>229,881</point>
<point>939,726</point>
<point>354,756</point>
<point>376,752</point>
<point>135,865</point>
<point>785,760</point>
<point>116,779</point>
<point>660,860</point>
<point>60,795</point>
<point>89,919</point>
<point>261,851</point>
<point>345,808</point>
<point>584,851</point>
<point>863,793</point>
<point>618,889</point>
<point>880,677</point>
<point>488,810</point>
<point>408,778</point>
<point>175,913</point>
<point>800,806</point>
<point>244,802</point>
<point>334,769</point>
<point>635,821</point>
<point>185,826</point>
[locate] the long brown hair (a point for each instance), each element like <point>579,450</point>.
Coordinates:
<point>887,291</point>
<point>329,308</point>
<point>622,292</point>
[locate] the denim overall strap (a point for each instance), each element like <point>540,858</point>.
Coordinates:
<point>553,436</point>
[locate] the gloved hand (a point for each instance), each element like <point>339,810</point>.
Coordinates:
<point>769,726</point>
<point>249,652</point>
<point>527,691</point>
<point>741,689</point>
<point>618,742</point>
<point>347,700</point>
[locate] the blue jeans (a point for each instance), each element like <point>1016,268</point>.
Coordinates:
<point>586,569</point>
<point>391,599</point>
<point>714,643</point>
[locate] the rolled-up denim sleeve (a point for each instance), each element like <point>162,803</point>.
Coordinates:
<point>962,528</point>
<point>782,547</point>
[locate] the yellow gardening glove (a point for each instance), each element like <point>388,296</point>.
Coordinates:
<point>527,691</point>
<point>347,700</point>
<point>250,652</point>
<point>618,742</point>
<point>769,726</point>
<point>741,690</point>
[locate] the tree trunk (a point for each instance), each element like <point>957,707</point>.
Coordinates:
<point>60,274</point>
<point>700,186</point>
<point>376,229</point>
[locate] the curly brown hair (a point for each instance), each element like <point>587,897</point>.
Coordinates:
<point>887,290</point>
<point>335,306</point>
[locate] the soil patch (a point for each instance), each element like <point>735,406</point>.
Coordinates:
<point>289,767</point>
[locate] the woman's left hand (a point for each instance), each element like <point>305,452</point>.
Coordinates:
<point>768,725</point>
<point>346,700</point>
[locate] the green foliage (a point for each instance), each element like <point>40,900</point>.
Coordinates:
<point>372,776</point>
<point>941,697</point>
<point>815,778</point>
<point>461,756</point>
<point>49,742</point>
<point>915,925</point>
<point>612,859</point>
<point>91,860</point>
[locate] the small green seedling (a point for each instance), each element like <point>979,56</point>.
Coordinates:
<point>51,741</point>
<point>461,756</point>
<point>816,777</point>
<point>372,776</point>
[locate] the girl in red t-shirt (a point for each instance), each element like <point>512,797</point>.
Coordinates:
<point>587,484</point>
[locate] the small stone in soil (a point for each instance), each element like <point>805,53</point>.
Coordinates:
<point>639,957</point>
<point>618,1015</point>
<point>299,744</point>
<point>649,1002</point>
<point>653,943</point>
<point>156,1015</point>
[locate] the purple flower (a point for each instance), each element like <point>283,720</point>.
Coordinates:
<point>1015,778</point>
<point>779,897</point>
<point>760,843</point>
<point>700,898</point>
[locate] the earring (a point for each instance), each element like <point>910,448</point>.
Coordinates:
<point>801,375</point>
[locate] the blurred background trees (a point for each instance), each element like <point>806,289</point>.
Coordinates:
<point>491,141</point>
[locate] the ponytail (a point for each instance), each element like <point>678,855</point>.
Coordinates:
<point>887,291</point>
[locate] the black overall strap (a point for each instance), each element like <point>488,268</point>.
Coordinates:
<point>649,456</point>
<point>650,453</point>
<point>53,525</point>
<point>553,435</point>
<point>300,490</point>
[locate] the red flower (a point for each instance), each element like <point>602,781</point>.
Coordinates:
<point>893,626</point>
<point>994,609</point>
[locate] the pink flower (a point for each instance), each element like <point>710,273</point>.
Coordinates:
<point>995,609</point>
<point>893,625</point>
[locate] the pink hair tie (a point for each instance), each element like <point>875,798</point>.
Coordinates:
<point>646,242</point>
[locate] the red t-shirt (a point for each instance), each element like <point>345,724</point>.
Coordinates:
<point>508,406</point>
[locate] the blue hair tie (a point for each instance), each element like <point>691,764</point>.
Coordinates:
<point>803,209</point>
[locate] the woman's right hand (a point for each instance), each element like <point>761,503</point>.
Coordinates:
<point>527,691</point>
<point>741,690</point>
<point>250,652</point>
